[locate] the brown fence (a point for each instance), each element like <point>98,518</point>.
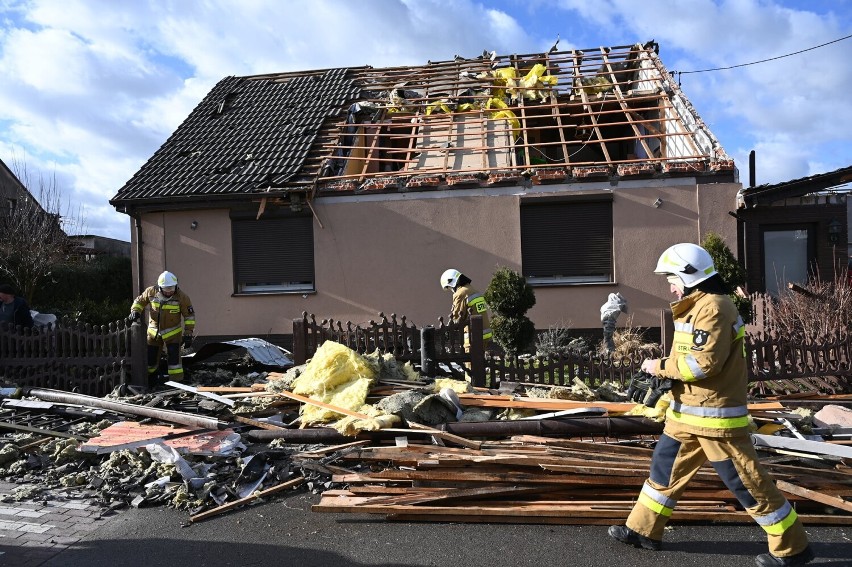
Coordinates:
<point>777,366</point>
<point>73,356</point>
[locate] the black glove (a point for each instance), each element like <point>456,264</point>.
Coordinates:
<point>187,341</point>
<point>135,316</point>
<point>639,385</point>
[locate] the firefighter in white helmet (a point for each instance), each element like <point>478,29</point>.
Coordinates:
<point>466,300</point>
<point>707,419</point>
<point>171,323</point>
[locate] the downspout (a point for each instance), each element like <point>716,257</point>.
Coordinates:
<point>138,228</point>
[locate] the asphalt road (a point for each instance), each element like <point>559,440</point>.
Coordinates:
<point>284,532</point>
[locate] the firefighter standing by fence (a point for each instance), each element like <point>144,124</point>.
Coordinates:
<point>708,415</point>
<point>170,324</point>
<point>466,298</point>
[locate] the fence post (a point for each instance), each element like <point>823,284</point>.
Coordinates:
<point>477,352</point>
<point>138,356</point>
<point>666,330</point>
<point>427,351</point>
<point>300,345</point>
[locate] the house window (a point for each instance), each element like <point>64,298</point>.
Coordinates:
<point>567,241</point>
<point>274,253</point>
<point>786,257</point>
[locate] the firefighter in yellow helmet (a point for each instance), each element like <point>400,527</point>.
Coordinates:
<point>466,300</point>
<point>708,417</point>
<point>170,324</point>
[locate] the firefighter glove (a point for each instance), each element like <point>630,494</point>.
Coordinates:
<point>187,341</point>
<point>135,316</point>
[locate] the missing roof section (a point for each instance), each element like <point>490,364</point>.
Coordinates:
<point>596,107</point>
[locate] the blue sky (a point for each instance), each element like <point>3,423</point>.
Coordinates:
<point>90,89</point>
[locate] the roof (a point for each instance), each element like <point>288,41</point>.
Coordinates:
<point>491,119</point>
<point>768,193</point>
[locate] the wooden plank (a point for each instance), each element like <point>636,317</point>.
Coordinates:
<point>336,409</point>
<point>256,423</point>
<point>237,503</point>
<point>814,495</point>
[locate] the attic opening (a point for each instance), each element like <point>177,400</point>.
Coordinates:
<point>607,106</point>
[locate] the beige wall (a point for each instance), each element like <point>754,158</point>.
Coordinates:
<point>386,253</point>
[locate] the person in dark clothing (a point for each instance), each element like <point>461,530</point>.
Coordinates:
<point>14,310</point>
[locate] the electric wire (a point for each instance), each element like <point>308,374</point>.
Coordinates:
<point>762,60</point>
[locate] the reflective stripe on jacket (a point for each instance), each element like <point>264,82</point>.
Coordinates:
<point>707,362</point>
<point>466,298</point>
<point>169,315</point>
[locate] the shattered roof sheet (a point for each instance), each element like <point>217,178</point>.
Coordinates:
<point>564,114</point>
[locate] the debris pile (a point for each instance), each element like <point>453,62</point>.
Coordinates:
<point>373,436</point>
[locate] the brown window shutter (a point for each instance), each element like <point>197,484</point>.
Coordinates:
<point>274,251</point>
<point>568,239</point>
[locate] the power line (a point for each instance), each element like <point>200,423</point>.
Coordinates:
<point>762,60</point>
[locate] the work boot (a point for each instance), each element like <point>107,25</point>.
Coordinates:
<point>802,558</point>
<point>628,536</point>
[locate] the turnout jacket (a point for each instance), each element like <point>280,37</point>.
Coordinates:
<point>166,313</point>
<point>708,366</point>
<point>464,298</point>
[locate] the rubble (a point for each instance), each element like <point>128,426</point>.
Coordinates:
<point>374,436</point>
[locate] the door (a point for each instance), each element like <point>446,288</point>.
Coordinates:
<point>786,257</point>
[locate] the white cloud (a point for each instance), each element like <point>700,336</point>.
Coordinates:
<point>92,89</point>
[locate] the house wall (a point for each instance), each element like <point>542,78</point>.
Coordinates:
<point>385,253</point>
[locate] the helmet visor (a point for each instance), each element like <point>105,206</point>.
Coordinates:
<point>168,289</point>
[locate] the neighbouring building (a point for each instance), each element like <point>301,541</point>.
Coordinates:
<point>794,231</point>
<point>92,246</point>
<point>347,192</point>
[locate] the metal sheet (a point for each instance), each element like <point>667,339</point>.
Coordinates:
<point>262,351</point>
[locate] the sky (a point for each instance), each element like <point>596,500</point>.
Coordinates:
<point>90,89</point>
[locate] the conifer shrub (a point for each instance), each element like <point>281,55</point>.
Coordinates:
<point>510,296</point>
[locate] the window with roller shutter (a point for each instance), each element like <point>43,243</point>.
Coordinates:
<point>274,253</point>
<point>567,240</point>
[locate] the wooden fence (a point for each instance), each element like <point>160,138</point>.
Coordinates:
<point>74,356</point>
<point>777,366</point>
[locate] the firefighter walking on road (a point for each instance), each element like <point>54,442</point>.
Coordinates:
<point>708,416</point>
<point>171,323</point>
<point>466,298</point>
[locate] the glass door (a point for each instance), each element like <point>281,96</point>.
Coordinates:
<point>785,258</point>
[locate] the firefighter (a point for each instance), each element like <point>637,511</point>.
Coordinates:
<point>169,304</point>
<point>708,417</point>
<point>466,298</point>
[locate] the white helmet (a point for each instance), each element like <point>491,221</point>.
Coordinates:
<point>691,263</point>
<point>450,278</point>
<point>167,279</point>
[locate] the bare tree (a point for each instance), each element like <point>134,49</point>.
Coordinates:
<point>34,230</point>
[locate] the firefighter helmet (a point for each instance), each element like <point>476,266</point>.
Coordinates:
<point>450,278</point>
<point>167,279</point>
<point>691,263</point>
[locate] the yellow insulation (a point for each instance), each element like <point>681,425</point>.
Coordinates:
<point>336,375</point>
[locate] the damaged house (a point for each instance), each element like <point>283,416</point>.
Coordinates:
<point>347,192</point>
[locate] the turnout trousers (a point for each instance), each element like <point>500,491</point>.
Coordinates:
<point>172,346</point>
<point>678,456</point>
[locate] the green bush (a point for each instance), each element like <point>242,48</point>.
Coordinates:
<point>514,334</point>
<point>98,291</point>
<point>729,270</point>
<point>509,294</point>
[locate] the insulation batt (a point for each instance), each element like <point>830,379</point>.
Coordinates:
<point>336,375</point>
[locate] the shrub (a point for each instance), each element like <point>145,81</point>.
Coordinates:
<point>729,270</point>
<point>510,296</point>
